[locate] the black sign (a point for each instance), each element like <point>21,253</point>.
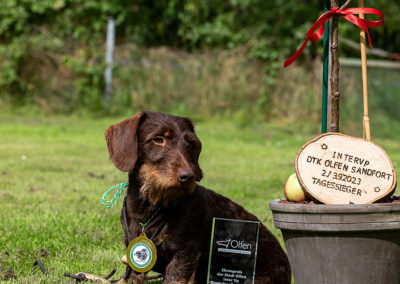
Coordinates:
<point>233,251</point>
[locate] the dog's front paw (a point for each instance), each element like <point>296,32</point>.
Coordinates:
<point>180,282</point>
<point>135,279</point>
<point>183,281</point>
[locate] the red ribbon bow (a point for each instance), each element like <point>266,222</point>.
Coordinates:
<point>348,14</point>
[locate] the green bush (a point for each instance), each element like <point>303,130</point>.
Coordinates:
<point>52,51</point>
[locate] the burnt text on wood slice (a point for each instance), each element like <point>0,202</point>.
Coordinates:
<point>339,169</point>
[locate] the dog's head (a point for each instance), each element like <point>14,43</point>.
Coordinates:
<point>162,150</point>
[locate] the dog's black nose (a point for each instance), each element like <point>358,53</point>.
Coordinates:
<point>185,176</point>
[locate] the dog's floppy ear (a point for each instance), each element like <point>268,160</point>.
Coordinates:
<point>122,142</point>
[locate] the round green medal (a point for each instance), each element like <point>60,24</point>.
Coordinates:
<point>141,253</point>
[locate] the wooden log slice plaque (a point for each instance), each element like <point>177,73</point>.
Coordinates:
<point>338,169</point>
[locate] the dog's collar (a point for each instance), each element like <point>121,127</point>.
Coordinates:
<point>150,219</point>
<point>143,225</point>
<point>111,203</point>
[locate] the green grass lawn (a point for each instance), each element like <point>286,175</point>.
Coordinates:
<point>54,170</point>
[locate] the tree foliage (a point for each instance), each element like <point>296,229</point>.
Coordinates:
<point>75,29</point>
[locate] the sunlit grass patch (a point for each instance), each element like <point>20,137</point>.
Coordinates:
<point>54,170</point>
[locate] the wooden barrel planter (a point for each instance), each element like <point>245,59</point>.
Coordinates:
<point>341,243</point>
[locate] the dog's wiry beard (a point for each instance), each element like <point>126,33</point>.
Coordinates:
<point>161,188</point>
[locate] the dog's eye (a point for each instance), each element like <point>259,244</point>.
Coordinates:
<point>159,140</point>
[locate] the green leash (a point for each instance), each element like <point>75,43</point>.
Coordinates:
<point>120,188</point>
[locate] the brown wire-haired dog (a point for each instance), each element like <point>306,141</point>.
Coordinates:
<point>161,154</point>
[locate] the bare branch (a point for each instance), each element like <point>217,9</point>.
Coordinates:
<point>345,5</point>
<point>334,78</point>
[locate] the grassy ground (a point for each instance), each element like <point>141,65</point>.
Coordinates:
<point>54,170</point>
